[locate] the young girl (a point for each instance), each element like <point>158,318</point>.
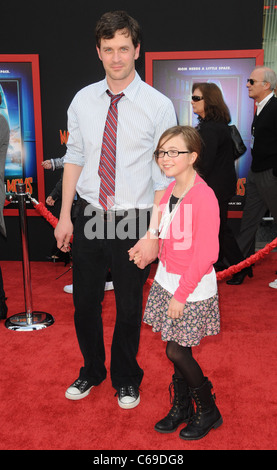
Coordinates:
<point>183,301</point>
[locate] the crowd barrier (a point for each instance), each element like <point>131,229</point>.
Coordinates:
<point>29,320</point>
<point>221,275</point>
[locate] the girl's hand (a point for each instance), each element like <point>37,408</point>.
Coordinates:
<point>137,258</point>
<point>175,309</point>
<point>145,250</point>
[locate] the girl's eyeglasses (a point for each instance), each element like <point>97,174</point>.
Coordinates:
<point>170,153</point>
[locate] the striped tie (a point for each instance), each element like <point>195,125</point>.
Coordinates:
<point>106,169</point>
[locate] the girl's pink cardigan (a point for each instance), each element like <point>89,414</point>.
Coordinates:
<point>191,246</point>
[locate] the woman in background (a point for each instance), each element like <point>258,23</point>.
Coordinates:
<point>217,166</point>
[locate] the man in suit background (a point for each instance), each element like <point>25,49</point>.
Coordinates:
<point>261,189</point>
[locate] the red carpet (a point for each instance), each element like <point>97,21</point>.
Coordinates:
<point>37,367</point>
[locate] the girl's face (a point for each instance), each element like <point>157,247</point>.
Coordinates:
<point>176,166</point>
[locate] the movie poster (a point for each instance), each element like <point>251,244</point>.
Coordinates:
<point>174,74</point>
<point>20,105</point>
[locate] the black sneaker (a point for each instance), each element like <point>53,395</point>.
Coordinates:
<point>128,397</point>
<point>78,390</point>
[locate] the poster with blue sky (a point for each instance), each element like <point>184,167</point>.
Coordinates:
<point>20,105</point>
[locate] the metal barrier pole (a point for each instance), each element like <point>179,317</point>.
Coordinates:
<point>28,320</point>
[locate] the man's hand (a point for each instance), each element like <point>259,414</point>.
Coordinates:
<point>64,229</point>
<point>47,164</point>
<point>146,249</point>
<point>63,233</point>
<point>50,201</point>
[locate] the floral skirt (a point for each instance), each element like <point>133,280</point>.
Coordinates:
<point>200,318</point>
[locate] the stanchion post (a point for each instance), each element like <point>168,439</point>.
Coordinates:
<point>28,320</point>
<point>20,191</point>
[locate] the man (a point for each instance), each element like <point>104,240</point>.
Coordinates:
<point>4,143</point>
<point>143,114</point>
<point>261,189</point>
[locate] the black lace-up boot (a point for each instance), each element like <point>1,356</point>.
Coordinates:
<point>181,410</point>
<point>207,415</point>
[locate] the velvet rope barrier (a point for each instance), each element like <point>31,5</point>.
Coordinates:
<point>219,275</point>
<point>247,262</point>
<point>46,214</point>
<point>29,320</point>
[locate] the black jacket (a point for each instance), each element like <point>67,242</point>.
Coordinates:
<point>264,129</point>
<point>216,163</point>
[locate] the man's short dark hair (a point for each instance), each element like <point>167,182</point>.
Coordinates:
<point>113,21</point>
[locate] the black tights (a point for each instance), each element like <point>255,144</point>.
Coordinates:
<point>185,365</point>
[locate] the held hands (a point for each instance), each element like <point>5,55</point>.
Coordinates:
<point>175,309</point>
<point>144,251</point>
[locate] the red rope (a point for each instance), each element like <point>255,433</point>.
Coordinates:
<point>243,264</point>
<point>46,214</point>
<point>220,275</point>
<point>247,262</point>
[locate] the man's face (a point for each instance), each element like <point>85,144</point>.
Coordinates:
<point>118,56</point>
<point>259,90</point>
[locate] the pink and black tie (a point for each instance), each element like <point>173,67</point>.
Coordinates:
<point>106,169</point>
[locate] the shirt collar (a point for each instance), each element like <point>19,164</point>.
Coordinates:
<point>262,103</point>
<point>129,92</point>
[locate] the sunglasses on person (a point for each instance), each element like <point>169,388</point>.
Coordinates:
<point>196,98</point>
<point>251,81</point>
